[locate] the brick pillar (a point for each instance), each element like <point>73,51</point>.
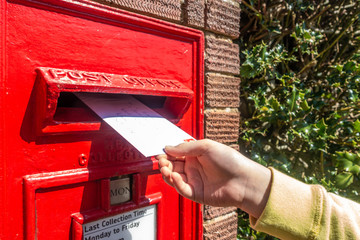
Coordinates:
<point>220,21</point>
<point>222,98</point>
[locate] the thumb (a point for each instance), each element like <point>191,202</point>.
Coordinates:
<point>191,149</point>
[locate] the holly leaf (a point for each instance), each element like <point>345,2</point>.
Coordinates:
<point>322,127</point>
<point>344,164</point>
<point>343,180</point>
<point>292,100</point>
<point>355,169</point>
<point>274,103</point>
<point>247,71</point>
<point>356,126</point>
<point>350,156</point>
<point>304,105</point>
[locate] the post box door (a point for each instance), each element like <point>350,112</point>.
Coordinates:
<point>64,174</point>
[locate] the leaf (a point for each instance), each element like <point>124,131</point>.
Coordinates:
<point>307,35</point>
<point>322,127</point>
<point>306,130</point>
<point>355,170</point>
<point>349,66</point>
<point>264,109</point>
<point>304,105</point>
<point>357,160</point>
<point>356,126</point>
<point>344,164</point>
<point>353,95</point>
<point>350,156</point>
<point>292,100</point>
<point>274,103</point>
<point>339,67</point>
<point>343,180</point>
<point>246,71</point>
<point>340,154</point>
<point>263,53</point>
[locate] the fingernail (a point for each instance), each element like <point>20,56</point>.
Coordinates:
<point>167,147</point>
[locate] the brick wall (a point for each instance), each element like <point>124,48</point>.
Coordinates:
<point>220,20</point>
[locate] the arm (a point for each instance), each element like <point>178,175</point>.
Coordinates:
<point>214,174</point>
<point>299,211</point>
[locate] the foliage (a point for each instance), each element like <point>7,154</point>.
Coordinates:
<point>300,91</point>
<point>247,232</point>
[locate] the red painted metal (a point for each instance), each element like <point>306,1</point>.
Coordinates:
<point>56,157</point>
<point>51,83</point>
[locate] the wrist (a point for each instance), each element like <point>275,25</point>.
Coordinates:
<point>257,190</point>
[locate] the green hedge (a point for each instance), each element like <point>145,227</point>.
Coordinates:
<point>300,91</point>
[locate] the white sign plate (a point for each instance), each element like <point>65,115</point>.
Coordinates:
<point>138,224</point>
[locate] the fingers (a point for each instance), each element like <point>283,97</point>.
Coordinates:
<point>180,183</point>
<point>166,174</point>
<point>195,148</point>
<point>167,167</point>
<point>173,165</point>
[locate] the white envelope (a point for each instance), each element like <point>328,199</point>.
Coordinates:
<point>141,126</point>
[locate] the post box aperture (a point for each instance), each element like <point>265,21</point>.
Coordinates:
<point>56,106</point>
<point>65,174</point>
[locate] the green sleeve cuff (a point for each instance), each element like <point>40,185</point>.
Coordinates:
<point>292,211</point>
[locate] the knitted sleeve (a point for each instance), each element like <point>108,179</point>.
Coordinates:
<point>296,210</point>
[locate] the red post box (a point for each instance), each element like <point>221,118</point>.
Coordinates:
<point>65,174</point>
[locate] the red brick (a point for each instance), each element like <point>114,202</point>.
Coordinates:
<point>194,14</point>
<point>222,91</point>
<point>211,212</point>
<point>223,228</point>
<point>222,125</point>
<point>221,56</point>
<point>167,9</point>
<point>223,17</point>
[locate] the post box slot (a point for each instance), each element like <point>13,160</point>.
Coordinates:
<point>70,109</point>
<point>59,110</point>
